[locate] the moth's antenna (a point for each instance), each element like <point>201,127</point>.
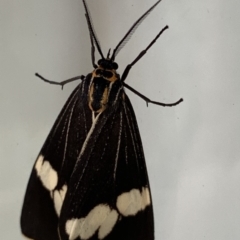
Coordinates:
<point>109,52</point>
<point>91,30</point>
<point>130,32</point>
<point>92,49</point>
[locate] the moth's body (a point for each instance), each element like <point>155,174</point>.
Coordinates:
<point>102,81</point>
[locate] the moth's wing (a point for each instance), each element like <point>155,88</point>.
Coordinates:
<point>51,172</point>
<point>109,194</point>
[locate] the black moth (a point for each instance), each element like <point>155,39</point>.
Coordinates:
<point>90,179</point>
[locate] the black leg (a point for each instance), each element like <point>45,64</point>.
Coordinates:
<point>62,83</point>
<point>140,55</point>
<point>149,100</point>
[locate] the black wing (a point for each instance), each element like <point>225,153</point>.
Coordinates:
<point>52,170</point>
<point>109,194</point>
<point>90,180</point>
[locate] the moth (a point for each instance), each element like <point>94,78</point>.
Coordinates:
<point>90,179</point>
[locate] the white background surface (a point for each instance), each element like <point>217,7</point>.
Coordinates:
<point>192,150</point>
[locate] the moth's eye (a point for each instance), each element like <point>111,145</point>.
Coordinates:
<point>114,65</point>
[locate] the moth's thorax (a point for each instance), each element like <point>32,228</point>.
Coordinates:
<point>108,74</point>
<point>100,87</point>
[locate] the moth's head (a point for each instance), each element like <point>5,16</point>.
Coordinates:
<point>106,69</point>
<point>107,64</point>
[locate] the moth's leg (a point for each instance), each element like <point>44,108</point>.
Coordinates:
<point>141,54</point>
<point>149,100</point>
<point>62,83</point>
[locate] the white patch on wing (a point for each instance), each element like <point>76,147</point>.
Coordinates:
<point>146,198</point>
<point>108,224</point>
<point>58,198</point>
<point>46,173</point>
<point>72,227</point>
<point>100,218</point>
<point>130,203</point>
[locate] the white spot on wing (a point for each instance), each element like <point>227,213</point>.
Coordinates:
<point>108,224</point>
<point>72,227</point>
<point>100,218</point>
<point>58,198</point>
<point>39,163</point>
<point>130,203</point>
<point>146,200</point>
<point>46,173</point>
